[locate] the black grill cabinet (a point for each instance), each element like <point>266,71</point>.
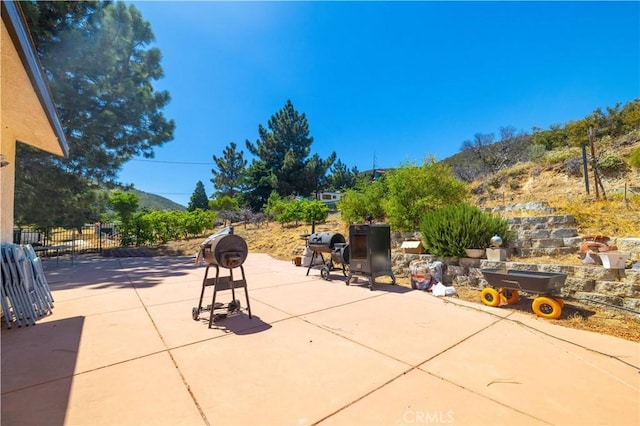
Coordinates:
<point>370,252</point>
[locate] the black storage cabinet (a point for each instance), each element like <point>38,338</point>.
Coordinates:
<point>370,252</point>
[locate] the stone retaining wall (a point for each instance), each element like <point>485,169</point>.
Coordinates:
<point>536,236</point>
<point>584,282</point>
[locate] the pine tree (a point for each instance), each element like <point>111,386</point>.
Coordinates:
<point>100,71</point>
<point>282,158</point>
<point>229,177</point>
<point>199,199</point>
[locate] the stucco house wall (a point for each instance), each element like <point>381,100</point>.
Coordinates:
<point>27,111</point>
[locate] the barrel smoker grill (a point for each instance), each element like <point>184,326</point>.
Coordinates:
<point>335,245</point>
<point>228,251</point>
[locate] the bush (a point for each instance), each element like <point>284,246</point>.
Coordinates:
<point>295,210</point>
<point>314,210</point>
<point>416,190</point>
<point>561,154</point>
<point>537,152</point>
<point>611,164</point>
<point>448,231</point>
<point>366,199</point>
<point>634,158</point>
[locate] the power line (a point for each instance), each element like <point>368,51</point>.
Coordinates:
<point>172,162</point>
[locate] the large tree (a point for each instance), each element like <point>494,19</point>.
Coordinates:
<point>229,174</point>
<point>282,160</point>
<point>341,177</point>
<point>100,70</point>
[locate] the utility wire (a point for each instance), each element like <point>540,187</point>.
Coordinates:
<point>173,162</point>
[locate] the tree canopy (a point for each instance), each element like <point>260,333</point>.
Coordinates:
<point>100,71</point>
<point>282,160</point>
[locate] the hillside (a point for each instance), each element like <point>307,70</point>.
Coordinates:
<point>559,181</point>
<point>155,202</point>
<point>617,216</point>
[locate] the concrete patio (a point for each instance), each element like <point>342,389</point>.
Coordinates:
<point>121,348</point>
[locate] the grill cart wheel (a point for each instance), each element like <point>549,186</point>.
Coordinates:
<point>234,306</point>
<point>546,307</point>
<point>509,296</point>
<point>324,273</point>
<point>490,296</point>
<point>195,313</point>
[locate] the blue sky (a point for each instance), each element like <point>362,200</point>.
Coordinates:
<point>388,82</point>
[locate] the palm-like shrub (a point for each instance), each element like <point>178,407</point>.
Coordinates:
<point>448,231</point>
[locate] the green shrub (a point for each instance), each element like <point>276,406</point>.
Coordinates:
<point>365,200</point>
<point>634,158</point>
<point>611,164</point>
<point>448,231</point>
<point>416,190</point>
<point>537,152</point>
<point>561,154</point>
<point>314,210</point>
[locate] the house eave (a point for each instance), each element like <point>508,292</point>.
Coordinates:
<point>16,26</point>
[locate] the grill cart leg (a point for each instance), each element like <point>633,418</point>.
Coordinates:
<point>228,283</point>
<point>246,291</point>
<point>212,317</point>
<point>195,312</point>
<point>313,258</point>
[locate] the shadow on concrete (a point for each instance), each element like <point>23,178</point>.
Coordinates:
<point>101,273</point>
<point>239,324</point>
<point>38,364</point>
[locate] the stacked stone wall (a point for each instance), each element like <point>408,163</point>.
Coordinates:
<point>536,236</point>
<point>589,283</point>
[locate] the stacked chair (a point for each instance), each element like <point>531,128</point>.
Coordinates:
<point>25,292</point>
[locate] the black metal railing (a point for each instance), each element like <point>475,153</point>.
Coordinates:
<point>87,239</point>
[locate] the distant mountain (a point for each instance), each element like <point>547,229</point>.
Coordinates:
<point>156,202</point>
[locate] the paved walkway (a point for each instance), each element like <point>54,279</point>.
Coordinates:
<point>121,348</point>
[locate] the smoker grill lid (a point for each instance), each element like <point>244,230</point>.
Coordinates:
<point>224,249</point>
<point>325,242</point>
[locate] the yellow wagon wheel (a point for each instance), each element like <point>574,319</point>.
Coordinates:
<point>560,301</point>
<point>546,307</point>
<point>490,296</point>
<point>509,296</point>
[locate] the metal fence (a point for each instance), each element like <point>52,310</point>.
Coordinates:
<point>54,240</point>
